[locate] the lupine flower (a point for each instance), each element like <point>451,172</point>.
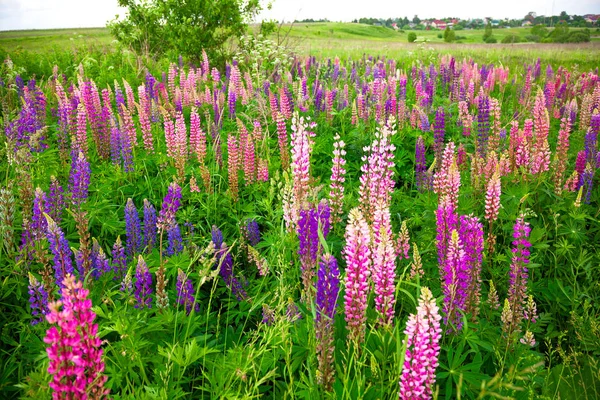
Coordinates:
<point>358,267</point>
<point>55,201</point>
<point>233,165</point>
<point>143,284</point>
<point>455,283</point>
<point>518,272</point>
<point>327,293</point>
<point>384,266</point>
<point>530,311</point>
<point>440,131</point>
<point>416,267</point>
<point>252,232</point>
<point>170,205</point>
<point>79,179</point>
<point>492,198</point>
<point>39,224</point>
<point>528,339</point>
<point>38,300</point>
<point>133,229</point>
<point>185,292</point>
<point>338,172</point>
<point>403,242</point>
<point>224,262</point>
<point>119,259</point>
<point>59,246</point>
<point>421,178</point>
<point>422,349</point>
<point>268,315</point>
<point>175,242</point>
<point>471,236</point>
<point>98,260</point>
<point>493,297</point>
<point>260,262</point>
<point>149,226</point>
<point>483,123</point>
<point>446,222</point>
<point>301,150</point>
<point>74,348</point>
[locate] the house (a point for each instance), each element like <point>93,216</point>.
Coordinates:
<point>395,26</point>
<point>438,24</point>
<point>526,23</point>
<point>591,18</point>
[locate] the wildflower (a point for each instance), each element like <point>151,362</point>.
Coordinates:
<point>185,292</point>
<point>143,284</point>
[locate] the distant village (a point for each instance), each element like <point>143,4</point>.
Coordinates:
<point>531,19</point>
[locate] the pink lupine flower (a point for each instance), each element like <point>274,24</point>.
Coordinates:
<point>422,349</point>
<point>282,137</point>
<point>74,350</point>
<point>492,198</point>
<point>249,161</point>
<point>233,161</point>
<point>403,242</point>
<point>263,170</point>
<point>384,266</point>
<point>144,110</point>
<point>301,150</point>
<point>81,138</point>
<point>358,267</point>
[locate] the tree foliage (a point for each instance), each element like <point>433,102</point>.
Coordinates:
<point>449,35</point>
<point>183,27</point>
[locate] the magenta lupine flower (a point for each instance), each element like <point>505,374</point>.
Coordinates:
<point>59,246</point>
<point>455,283</point>
<point>79,179</point>
<point>55,200</point>
<point>384,265</point>
<point>492,198</point>
<point>38,300</point>
<point>119,259</point>
<point>422,349</point>
<point>328,286</point>
<point>358,268</point>
<point>446,222</point>
<point>143,284</point>
<point>74,349</point>
<point>185,292</point>
<point>133,229</point>
<point>518,274</point>
<point>150,229</point>
<point>471,236</point>
<point>338,172</point>
<point>170,205</point>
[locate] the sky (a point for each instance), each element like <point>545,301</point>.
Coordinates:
<point>47,14</point>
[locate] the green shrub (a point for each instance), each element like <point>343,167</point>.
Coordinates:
<point>578,37</point>
<point>490,39</point>
<point>512,39</point>
<point>412,37</point>
<point>533,38</point>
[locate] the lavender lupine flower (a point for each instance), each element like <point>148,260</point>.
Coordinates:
<point>170,205</point>
<point>328,286</point>
<point>119,259</point>
<point>421,178</point>
<point>59,246</point>
<point>79,179</point>
<point>74,351</point>
<point>38,224</point>
<point>175,241</point>
<point>143,284</point>
<point>439,127</point>
<point>252,232</point>
<point>471,235</point>
<point>185,292</point>
<point>55,200</point>
<point>38,300</point>
<point>483,123</point>
<point>308,234</point>
<point>422,349</point>
<point>455,283</point>
<point>99,261</point>
<point>358,267</point>
<point>224,261</point>
<point>150,229</point>
<point>133,229</point>
<point>517,287</point>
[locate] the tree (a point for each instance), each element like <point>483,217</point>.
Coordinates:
<point>487,34</point>
<point>449,35</point>
<point>416,20</point>
<point>184,27</point>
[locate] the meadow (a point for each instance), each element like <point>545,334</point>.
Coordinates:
<point>335,213</point>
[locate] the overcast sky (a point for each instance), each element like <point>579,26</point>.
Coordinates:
<point>44,14</point>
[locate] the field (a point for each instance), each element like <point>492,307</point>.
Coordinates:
<point>338,214</point>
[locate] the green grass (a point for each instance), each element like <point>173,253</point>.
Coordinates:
<point>45,40</point>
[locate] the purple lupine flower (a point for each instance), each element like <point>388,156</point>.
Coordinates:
<point>133,229</point>
<point>55,200</point>
<point>446,222</point>
<point>471,235</point>
<point>422,349</point>
<point>185,292</point>
<point>59,246</point>
<point>99,261</point>
<point>79,179</point>
<point>439,127</point>
<point>119,259</point>
<point>328,286</point>
<point>38,300</point>
<point>517,287</point>
<point>252,232</point>
<point>225,262</point>
<point>39,223</point>
<point>143,284</point>
<point>150,230</point>
<point>483,123</point>
<point>268,315</point>
<point>170,205</point>
<point>308,234</point>
<point>175,242</point>
<point>455,283</point>
<point>421,179</point>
